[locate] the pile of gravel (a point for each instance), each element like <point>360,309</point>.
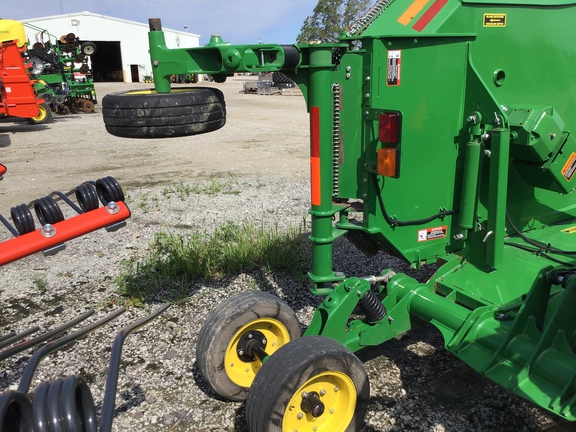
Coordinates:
<point>415,384</point>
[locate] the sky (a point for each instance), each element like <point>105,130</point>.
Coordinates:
<point>237,21</point>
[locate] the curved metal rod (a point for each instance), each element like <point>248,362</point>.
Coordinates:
<point>7,336</point>
<point>43,337</point>
<point>5,341</point>
<point>59,343</point>
<point>8,225</point>
<point>112,380</point>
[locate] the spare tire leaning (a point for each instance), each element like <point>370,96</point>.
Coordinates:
<point>147,114</point>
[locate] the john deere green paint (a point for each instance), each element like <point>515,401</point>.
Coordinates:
<point>441,132</point>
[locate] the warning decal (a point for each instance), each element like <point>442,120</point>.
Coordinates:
<point>570,230</point>
<point>494,20</point>
<point>432,233</point>
<point>569,167</point>
<point>394,60</point>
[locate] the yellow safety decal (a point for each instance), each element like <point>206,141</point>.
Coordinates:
<point>569,167</point>
<point>494,20</point>
<point>570,230</point>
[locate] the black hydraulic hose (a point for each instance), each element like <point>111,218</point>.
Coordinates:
<point>43,337</point>
<point>17,337</point>
<point>547,247</point>
<point>30,368</point>
<point>113,370</point>
<point>395,222</point>
<point>538,252</point>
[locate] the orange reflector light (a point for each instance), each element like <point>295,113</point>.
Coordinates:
<point>388,162</point>
<point>389,128</point>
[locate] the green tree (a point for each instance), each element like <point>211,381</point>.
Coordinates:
<point>330,19</point>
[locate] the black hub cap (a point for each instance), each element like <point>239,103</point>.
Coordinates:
<point>312,404</point>
<point>249,344</point>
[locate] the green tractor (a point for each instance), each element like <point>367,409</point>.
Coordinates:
<point>62,70</point>
<point>441,133</point>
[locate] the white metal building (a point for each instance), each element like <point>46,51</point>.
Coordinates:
<point>121,45</point>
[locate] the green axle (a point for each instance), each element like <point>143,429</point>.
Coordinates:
<point>441,134</point>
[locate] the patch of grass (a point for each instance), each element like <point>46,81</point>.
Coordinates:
<point>41,283</point>
<point>213,186</point>
<point>176,261</point>
<point>147,200</point>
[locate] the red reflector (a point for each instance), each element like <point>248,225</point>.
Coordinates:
<point>389,128</point>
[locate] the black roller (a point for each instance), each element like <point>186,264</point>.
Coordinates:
<point>291,56</point>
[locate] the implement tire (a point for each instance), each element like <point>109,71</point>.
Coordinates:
<point>44,115</point>
<point>233,321</point>
<point>147,114</point>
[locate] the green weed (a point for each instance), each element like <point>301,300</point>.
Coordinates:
<point>175,261</point>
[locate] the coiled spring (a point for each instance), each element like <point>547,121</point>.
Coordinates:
<point>48,211</point>
<point>66,404</point>
<point>372,307</point>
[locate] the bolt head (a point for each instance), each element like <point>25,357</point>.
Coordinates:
<point>48,230</point>
<point>112,207</point>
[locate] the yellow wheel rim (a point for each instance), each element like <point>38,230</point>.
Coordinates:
<point>242,373</point>
<point>41,114</point>
<point>338,394</point>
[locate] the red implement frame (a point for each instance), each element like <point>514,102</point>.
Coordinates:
<point>17,98</point>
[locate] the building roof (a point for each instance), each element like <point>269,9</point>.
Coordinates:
<point>106,17</point>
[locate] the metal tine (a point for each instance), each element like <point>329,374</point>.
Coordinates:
<point>59,343</point>
<point>7,335</point>
<point>15,337</point>
<point>43,337</point>
<point>112,380</point>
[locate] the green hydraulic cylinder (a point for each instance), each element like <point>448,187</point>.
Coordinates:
<point>498,191</point>
<point>320,104</point>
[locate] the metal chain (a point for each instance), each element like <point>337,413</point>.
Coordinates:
<point>369,16</point>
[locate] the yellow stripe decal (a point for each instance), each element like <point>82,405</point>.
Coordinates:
<point>412,11</point>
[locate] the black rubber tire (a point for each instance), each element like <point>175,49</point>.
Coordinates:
<point>88,48</point>
<point>147,114</point>
<point>221,327</point>
<point>295,365</point>
<point>44,115</point>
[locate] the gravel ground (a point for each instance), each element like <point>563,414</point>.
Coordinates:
<point>415,384</point>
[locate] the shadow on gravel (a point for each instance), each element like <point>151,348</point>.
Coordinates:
<point>442,390</point>
<point>5,140</point>
<point>203,385</point>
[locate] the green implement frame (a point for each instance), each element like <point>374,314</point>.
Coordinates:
<point>441,133</point>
